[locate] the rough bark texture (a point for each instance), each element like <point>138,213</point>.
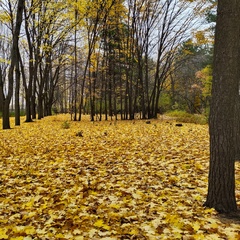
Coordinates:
<point>221,188</point>
<point>237,128</point>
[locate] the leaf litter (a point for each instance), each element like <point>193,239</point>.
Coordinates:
<point>115,180</point>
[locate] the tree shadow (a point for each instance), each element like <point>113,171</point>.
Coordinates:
<point>233,217</point>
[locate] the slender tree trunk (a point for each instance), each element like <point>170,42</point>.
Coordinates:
<point>225,91</point>
<point>142,90</point>
<point>102,90</point>
<point>146,84</point>
<point>1,90</point>
<point>114,96</point>
<point>27,92</point>
<point>17,90</point>
<point>91,93</point>
<point>29,86</point>
<point>126,96</point>
<point>110,76</point>
<point>75,69</point>
<point>33,100</point>
<point>105,99</point>
<point>82,89</point>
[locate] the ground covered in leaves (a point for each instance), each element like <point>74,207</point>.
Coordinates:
<point>107,180</point>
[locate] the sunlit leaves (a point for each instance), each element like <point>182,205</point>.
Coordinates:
<point>200,37</point>
<point>125,180</point>
<point>4,17</point>
<point>3,234</point>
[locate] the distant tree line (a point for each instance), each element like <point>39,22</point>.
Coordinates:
<point>106,58</point>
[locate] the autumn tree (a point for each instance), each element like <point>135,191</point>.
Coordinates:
<point>7,97</point>
<point>30,60</point>
<point>187,80</point>
<point>156,35</point>
<point>225,96</point>
<point>4,61</point>
<point>46,29</point>
<point>111,66</point>
<point>96,14</point>
<point>145,20</point>
<point>170,37</point>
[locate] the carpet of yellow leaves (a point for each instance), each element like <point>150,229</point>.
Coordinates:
<point>115,180</point>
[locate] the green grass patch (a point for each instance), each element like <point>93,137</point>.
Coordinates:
<point>65,125</point>
<point>12,113</point>
<point>185,117</point>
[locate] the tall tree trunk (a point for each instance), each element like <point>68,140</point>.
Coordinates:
<point>17,90</point>
<point>102,90</point>
<point>75,68</point>
<point>225,91</point>
<point>91,94</point>
<point>28,92</point>
<point>105,98</point>
<point>1,90</point>
<point>83,87</point>
<point>33,98</point>
<point>28,86</point>
<point>142,91</point>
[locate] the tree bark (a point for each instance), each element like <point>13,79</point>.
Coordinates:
<point>1,90</point>
<point>17,90</point>
<point>237,129</point>
<point>225,91</point>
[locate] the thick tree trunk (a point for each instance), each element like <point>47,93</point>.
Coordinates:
<point>28,109</point>
<point>6,114</point>
<point>237,129</point>
<point>40,107</point>
<point>225,90</point>
<point>1,101</point>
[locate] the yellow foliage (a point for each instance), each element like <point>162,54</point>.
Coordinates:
<point>200,37</point>
<point>18,238</point>
<point>142,180</point>
<point>4,17</point>
<point>29,230</point>
<point>3,234</point>
<point>100,224</point>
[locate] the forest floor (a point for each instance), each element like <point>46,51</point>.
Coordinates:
<point>107,180</point>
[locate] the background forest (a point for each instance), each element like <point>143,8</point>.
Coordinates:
<point>106,58</point>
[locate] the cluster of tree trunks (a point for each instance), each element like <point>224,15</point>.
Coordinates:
<point>129,52</point>
<point>14,65</point>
